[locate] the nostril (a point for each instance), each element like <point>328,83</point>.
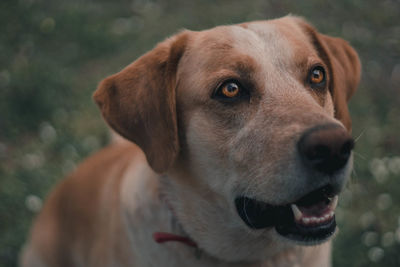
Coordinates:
<point>317,155</point>
<point>326,148</point>
<point>319,152</point>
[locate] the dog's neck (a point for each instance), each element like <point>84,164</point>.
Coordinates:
<point>164,237</point>
<point>145,213</point>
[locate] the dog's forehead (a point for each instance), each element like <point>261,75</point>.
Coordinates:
<point>274,51</point>
<point>278,43</point>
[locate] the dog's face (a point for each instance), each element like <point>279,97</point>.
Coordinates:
<point>250,123</point>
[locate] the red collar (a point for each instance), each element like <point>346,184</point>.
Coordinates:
<point>162,237</point>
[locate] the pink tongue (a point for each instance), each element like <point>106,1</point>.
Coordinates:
<point>315,210</point>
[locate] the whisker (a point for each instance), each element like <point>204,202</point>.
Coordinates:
<point>359,155</point>
<point>358,137</point>
<point>354,172</point>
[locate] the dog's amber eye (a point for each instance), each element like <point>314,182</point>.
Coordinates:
<point>317,76</point>
<point>230,90</point>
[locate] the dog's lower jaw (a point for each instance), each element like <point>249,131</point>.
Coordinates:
<point>229,241</point>
<point>144,214</point>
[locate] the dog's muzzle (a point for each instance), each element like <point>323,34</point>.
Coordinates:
<point>324,149</point>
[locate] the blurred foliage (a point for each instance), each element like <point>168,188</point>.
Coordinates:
<point>53,53</point>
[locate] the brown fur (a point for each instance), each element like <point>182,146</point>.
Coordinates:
<point>155,111</point>
<point>345,67</point>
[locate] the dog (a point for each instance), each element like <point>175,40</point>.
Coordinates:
<point>236,142</point>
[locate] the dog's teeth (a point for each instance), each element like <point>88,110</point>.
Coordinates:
<point>296,212</point>
<point>334,202</point>
<point>306,220</point>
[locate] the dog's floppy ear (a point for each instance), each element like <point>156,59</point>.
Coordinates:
<point>344,68</point>
<point>139,102</point>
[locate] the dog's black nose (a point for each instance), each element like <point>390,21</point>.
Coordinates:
<point>326,148</point>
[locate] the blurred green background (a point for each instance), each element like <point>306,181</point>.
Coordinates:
<point>53,54</point>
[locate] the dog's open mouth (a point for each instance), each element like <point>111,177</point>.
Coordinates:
<point>309,220</point>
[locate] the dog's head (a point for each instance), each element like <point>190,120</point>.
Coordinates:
<point>250,123</point>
